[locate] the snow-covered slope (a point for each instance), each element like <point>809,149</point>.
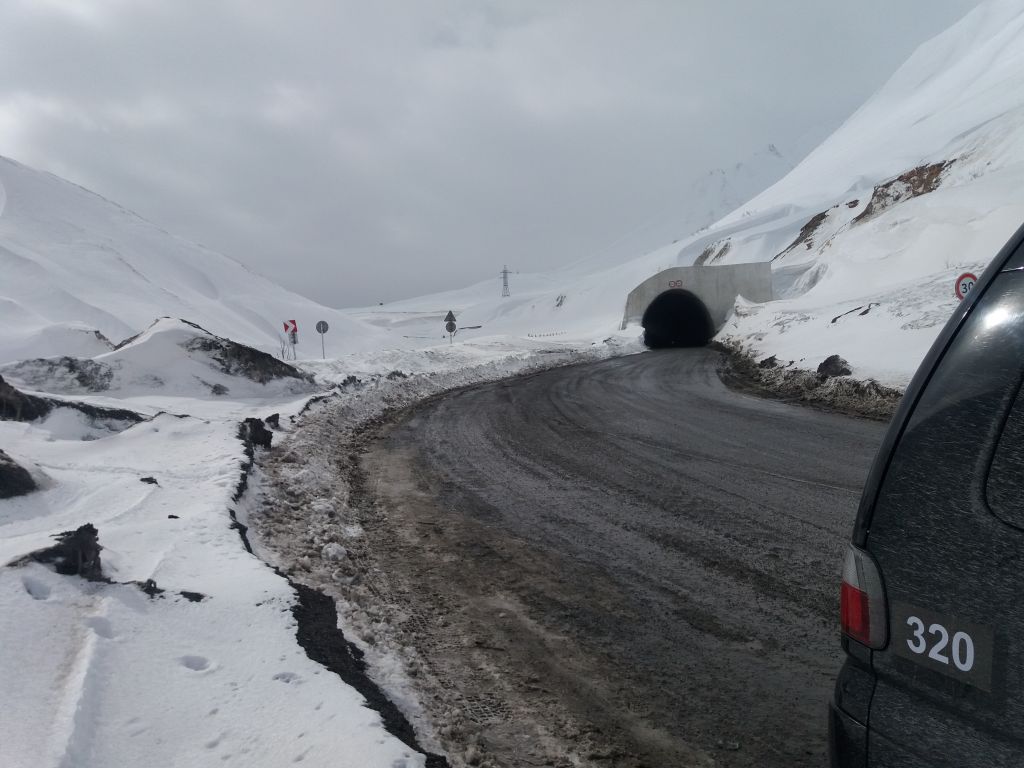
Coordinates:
<point>921,183</point>
<point>869,232</point>
<point>865,236</point>
<point>75,264</point>
<point>925,181</point>
<point>171,357</point>
<point>721,190</point>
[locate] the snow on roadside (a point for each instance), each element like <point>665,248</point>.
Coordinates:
<point>206,670</point>
<point>884,288</point>
<point>300,516</point>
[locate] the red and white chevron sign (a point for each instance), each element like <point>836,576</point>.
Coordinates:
<point>290,326</point>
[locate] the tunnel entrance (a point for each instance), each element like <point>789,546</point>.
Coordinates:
<point>677,318</point>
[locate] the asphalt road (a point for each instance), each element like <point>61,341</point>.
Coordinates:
<point>632,564</point>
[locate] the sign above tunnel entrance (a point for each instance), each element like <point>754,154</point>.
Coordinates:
<point>675,283</point>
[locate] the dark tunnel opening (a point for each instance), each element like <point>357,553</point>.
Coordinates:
<point>677,318</point>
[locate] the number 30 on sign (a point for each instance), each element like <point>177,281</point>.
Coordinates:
<point>964,284</point>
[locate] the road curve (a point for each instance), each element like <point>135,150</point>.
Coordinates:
<point>631,544</point>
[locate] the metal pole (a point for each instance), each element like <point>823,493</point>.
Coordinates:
<point>323,353</point>
<point>504,281</point>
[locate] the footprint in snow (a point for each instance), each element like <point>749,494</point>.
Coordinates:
<point>36,588</point>
<point>288,677</point>
<point>195,663</point>
<point>101,626</point>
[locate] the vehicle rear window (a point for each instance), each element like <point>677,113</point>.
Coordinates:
<point>945,452</point>
<point>1006,476</point>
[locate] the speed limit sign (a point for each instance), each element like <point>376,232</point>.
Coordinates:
<point>964,284</point>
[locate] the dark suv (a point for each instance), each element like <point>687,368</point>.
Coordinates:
<point>932,596</point>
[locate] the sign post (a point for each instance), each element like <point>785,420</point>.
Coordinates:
<point>322,328</point>
<point>450,326</point>
<point>291,329</point>
<point>964,284</point>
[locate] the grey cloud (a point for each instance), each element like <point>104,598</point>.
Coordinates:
<point>359,151</point>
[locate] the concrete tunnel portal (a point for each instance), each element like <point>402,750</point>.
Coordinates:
<point>688,306</point>
<point>677,318</point>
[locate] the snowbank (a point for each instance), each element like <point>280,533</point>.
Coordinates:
<point>207,671</point>
<point>187,653</point>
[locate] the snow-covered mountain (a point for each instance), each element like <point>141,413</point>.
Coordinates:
<point>142,441</point>
<point>922,183</point>
<point>80,272</point>
<point>722,190</point>
<point>925,181</point>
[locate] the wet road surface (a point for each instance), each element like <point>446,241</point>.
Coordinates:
<point>622,563</point>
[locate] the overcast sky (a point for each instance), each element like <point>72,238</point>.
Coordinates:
<point>364,151</point>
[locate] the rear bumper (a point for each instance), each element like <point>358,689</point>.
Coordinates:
<point>847,740</point>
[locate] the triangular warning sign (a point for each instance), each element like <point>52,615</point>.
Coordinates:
<point>450,317</point>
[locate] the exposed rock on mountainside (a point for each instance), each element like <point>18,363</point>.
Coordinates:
<point>14,478</point>
<point>172,356</point>
<point>239,360</point>
<point>19,406</point>
<point>714,252</point>
<point>806,236</point>
<point>914,183</point>
<point>67,374</point>
<point>76,553</point>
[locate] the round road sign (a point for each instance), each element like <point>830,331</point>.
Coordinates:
<point>449,326</point>
<point>322,327</point>
<point>964,284</point>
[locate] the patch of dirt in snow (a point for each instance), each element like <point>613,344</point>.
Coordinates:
<point>306,517</point>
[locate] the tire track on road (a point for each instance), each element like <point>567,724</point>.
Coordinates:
<point>666,552</point>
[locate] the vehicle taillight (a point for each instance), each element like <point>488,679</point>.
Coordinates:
<point>862,600</point>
